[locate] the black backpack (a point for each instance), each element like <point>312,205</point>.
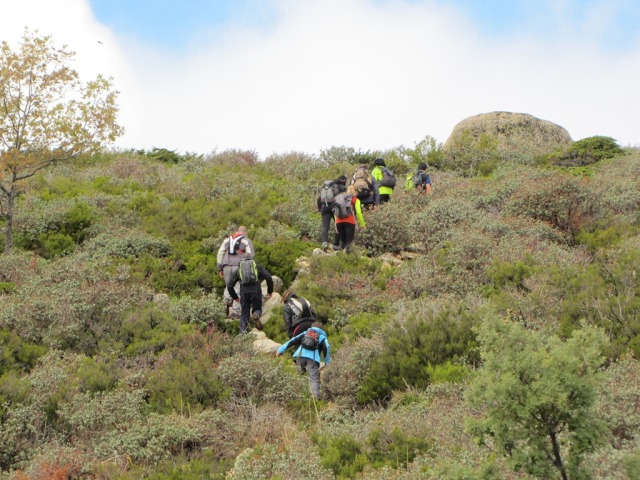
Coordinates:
<point>310,341</point>
<point>388,178</point>
<point>248,271</point>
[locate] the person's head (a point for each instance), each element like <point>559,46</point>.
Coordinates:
<point>287,295</point>
<point>341,180</point>
<point>379,162</point>
<point>242,230</point>
<point>422,166</point>
<point>317,325</point>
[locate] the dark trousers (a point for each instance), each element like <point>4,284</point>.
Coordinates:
<point>326,224</point>
<point>249,302</point>
<point>346,232</point>
<point>384,198</point>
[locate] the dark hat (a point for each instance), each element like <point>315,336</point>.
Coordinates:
<point>422,166</point>
<point>341,179</point>
<point>379,162</point>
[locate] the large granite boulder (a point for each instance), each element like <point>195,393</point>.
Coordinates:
<point>515,133</point>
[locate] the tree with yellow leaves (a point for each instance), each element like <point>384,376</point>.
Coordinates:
<point>46,116</point>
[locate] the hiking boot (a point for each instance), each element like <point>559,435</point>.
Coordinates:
<point>255,318</point>
<point>325,246</point>
<point>336,248</point>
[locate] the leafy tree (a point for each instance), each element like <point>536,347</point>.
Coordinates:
<point>538,394</point>
<point>46,115</point>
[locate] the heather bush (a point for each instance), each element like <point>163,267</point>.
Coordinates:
<point>279,461</point>
<point>150,440</point>
<point>88,416</point>
<point>260,379</point>
<point>386,227</point>
<point>349,365</point>
<point>206,310</point>
<point>75,302</point>
<point>126,244</point>
<point>433,225</point>
<point>566,203</point>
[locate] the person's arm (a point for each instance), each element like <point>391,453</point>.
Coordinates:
<point>264,274</point>
<point>295,341</point>
<point>427,183</point>
<point>326,350</point>
<point>376,192</point>
<point>231,287</point>
<point>248,248</point>
<point>220,257</point>
<point>358,209</point>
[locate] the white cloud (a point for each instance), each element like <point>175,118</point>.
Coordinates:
<point>344,72</point>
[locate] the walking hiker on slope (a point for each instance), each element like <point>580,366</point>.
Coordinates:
<point>229,256</point>
<point>346,210</point>
<point>326,200</point>
<point>250,276</point>
<point>418,180</point>
<point>385,178</point>
<point>297,312</point>
<point>311,344</point>
<point>366,187</point>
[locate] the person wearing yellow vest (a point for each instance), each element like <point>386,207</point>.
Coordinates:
<point>385,178</point>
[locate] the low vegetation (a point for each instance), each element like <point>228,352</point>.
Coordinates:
<point>489,330</point>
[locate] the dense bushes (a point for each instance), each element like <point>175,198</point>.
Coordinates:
<point>118,360</point>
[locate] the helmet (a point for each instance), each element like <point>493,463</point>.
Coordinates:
<point>379,162</point>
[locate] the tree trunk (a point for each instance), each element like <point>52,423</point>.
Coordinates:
<point>558,457</point>
<point>8,227</point>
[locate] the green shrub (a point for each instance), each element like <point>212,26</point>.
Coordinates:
<point>413,347</point>
<point>17,354</point>
<point>343,456</point>
<point>586,152</point>
<point>184,385</point>
<point>275,461</point>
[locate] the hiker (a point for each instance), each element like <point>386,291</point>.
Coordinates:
<point>250,276</point>
<point>346,209</point>
<point>229,256</point>
<point>385,178</point>
<point>297,312</point>
<point>311,344</point>
<point>366,187</point>
<point>326,200</point>
<point>418,180</point>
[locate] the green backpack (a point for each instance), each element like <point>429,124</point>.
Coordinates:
<point>413,180</point>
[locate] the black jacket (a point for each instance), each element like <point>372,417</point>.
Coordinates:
<point>263,274</point>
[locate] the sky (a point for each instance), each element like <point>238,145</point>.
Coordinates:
<point>279,76</point>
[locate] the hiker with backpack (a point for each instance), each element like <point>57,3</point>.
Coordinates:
<point>385,179</point>
<point>311,343</point>
<point>250,276</point>
<point>347,208</point>
<point>229,255</point>
<point>419,180</point>
<point>326,200</point>
<point>366,187</point>
<point>297,312</point>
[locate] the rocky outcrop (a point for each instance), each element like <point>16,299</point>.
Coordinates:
<point>515,133</point>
